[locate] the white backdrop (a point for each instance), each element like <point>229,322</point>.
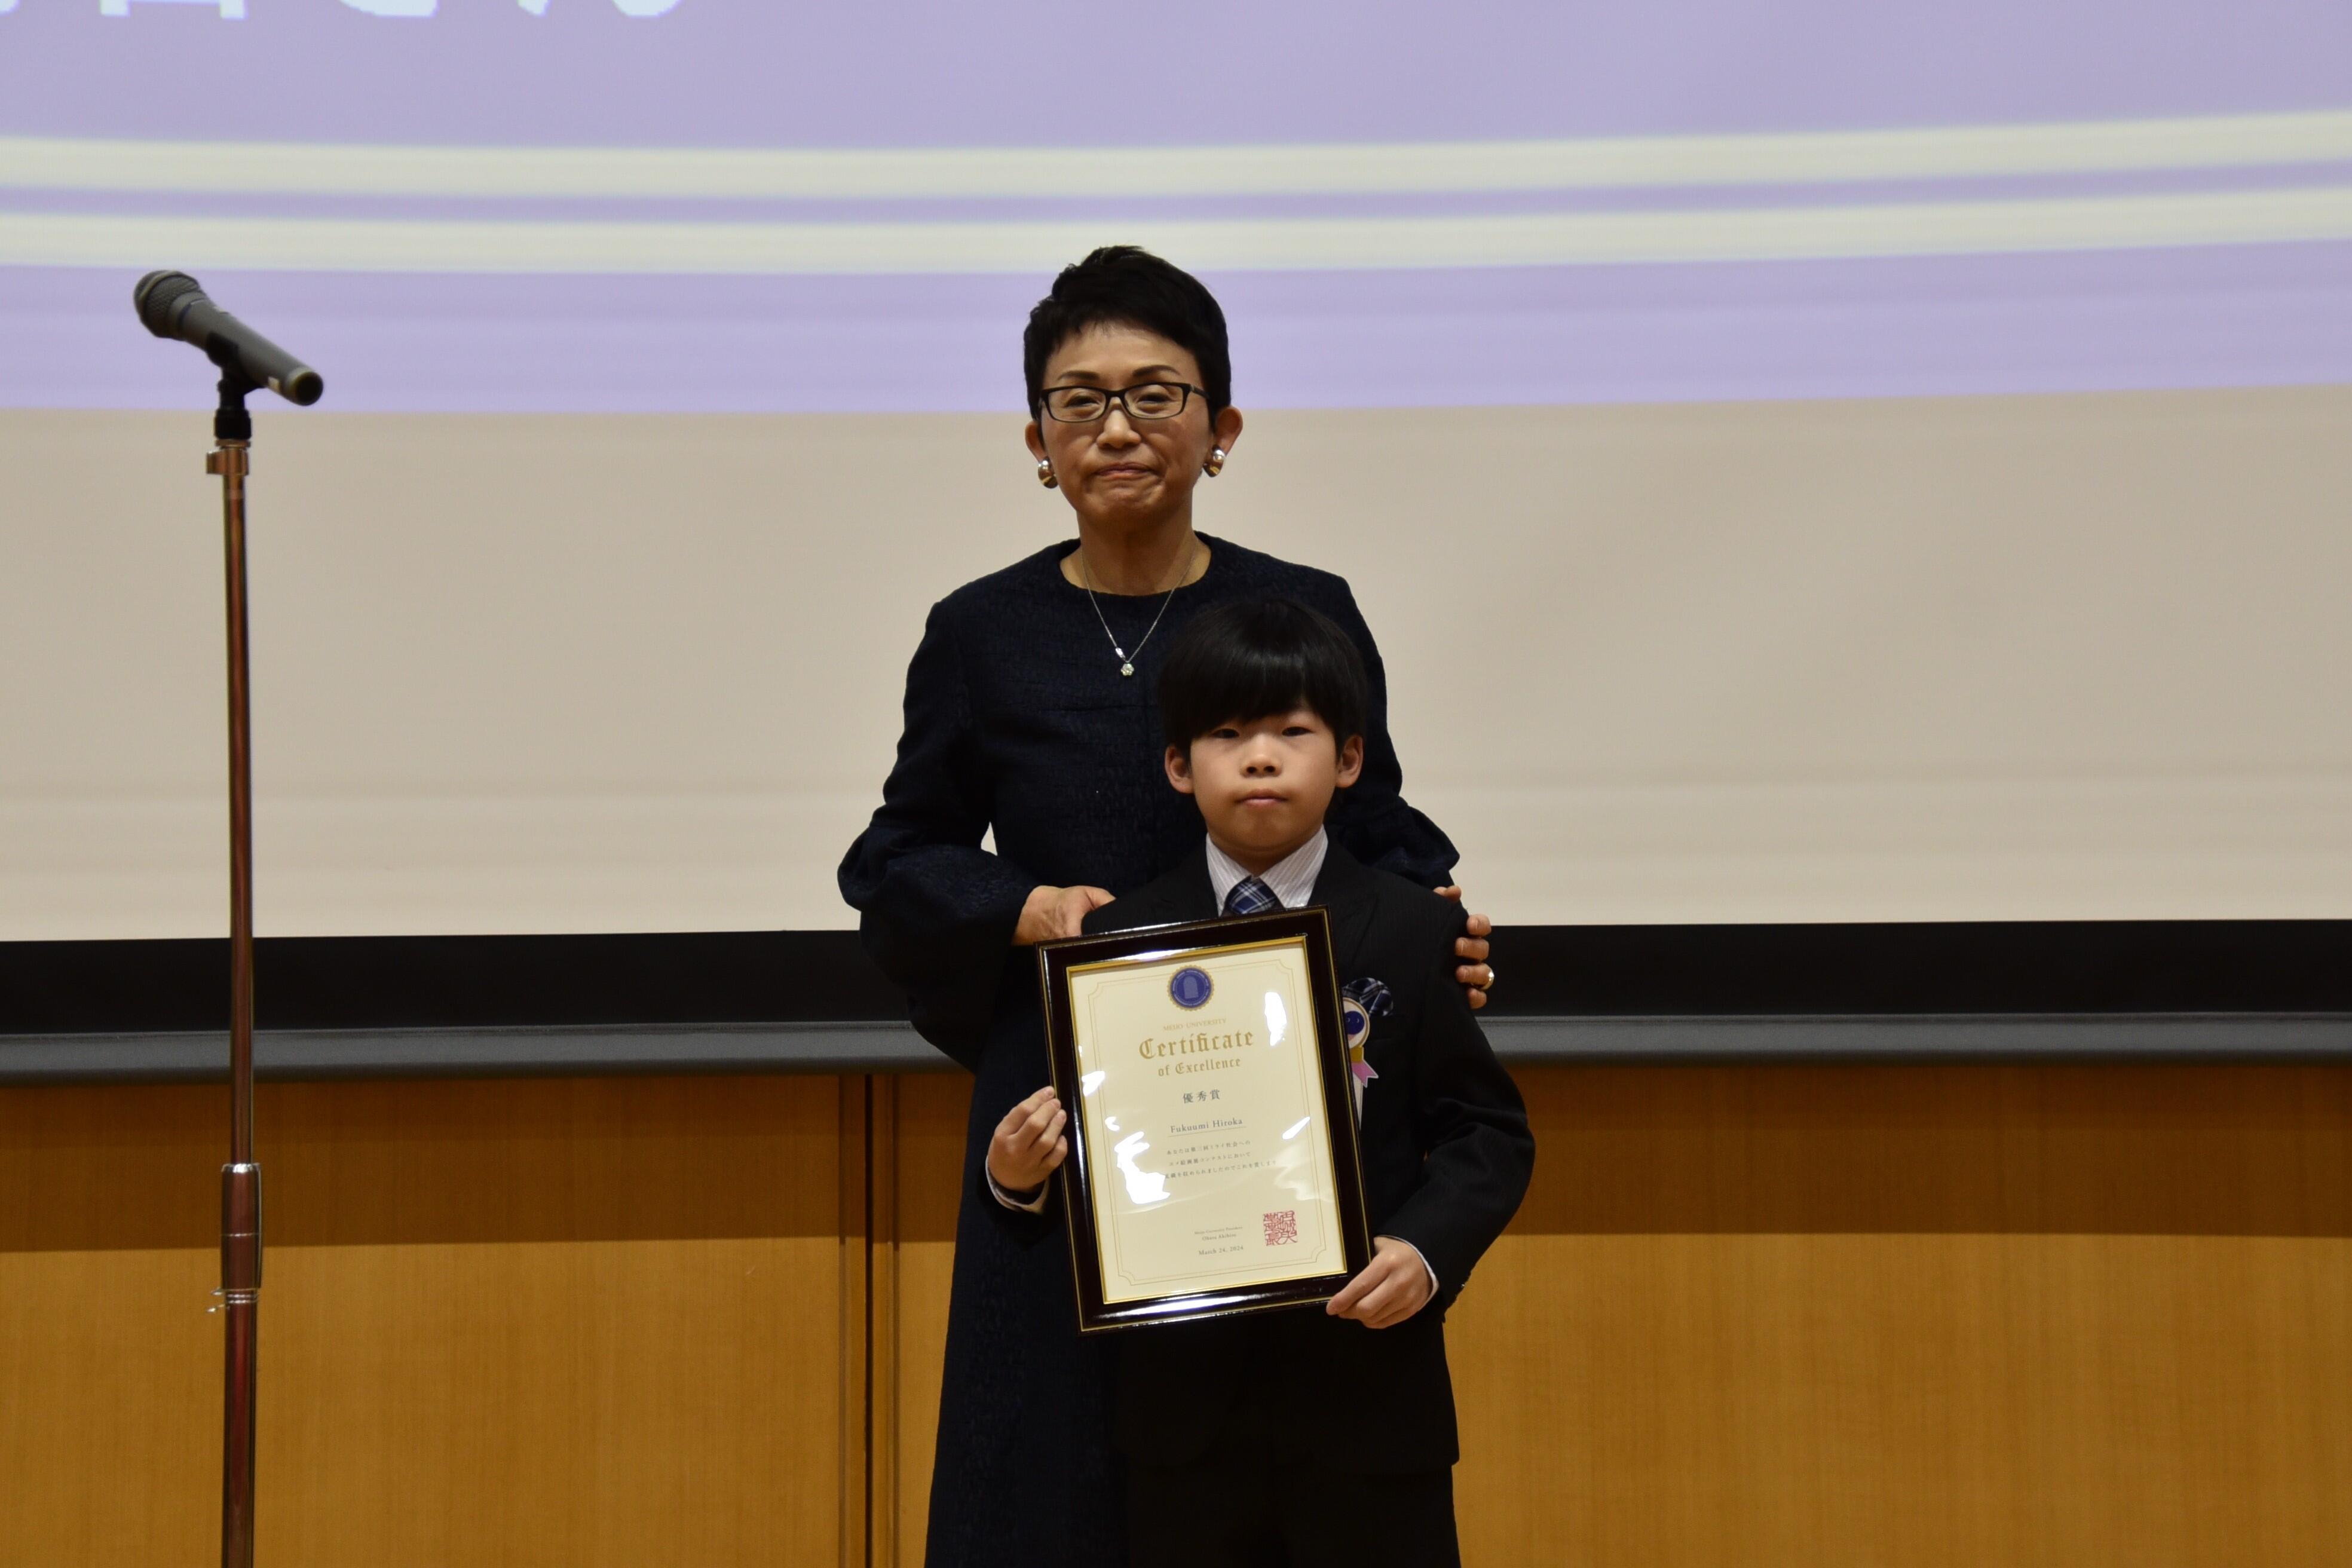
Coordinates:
<point>2003,657</point>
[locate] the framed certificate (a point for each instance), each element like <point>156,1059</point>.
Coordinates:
<point>1212,1163</point>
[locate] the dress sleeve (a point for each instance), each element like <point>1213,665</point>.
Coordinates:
<point>1371,819</point>
<point>937,912</point>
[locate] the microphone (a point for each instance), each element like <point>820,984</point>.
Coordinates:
<point>174,305</point>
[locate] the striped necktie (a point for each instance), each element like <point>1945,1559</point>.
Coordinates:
<point>1250,897</point>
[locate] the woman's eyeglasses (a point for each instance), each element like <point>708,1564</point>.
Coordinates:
<point>1144,400</point>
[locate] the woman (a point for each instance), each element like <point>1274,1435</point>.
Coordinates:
<point>1030,712</point>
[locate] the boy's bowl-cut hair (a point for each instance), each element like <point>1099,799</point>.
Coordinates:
<point>1248,660</point>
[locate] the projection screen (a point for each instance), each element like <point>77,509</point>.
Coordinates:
<point>1807,462</point>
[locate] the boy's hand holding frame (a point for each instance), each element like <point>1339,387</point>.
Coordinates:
<point>1028,1147</point>
<point>1391,1289</point>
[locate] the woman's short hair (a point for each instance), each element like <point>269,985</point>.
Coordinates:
<point>1253,658</point>
<point>1125,285</point>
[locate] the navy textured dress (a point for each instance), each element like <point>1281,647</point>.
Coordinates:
<point>1018,720</point>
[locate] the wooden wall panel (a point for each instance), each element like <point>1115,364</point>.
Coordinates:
<point>109,1405</point>
<point>1918,1316</point>
<point>513,1322</point>
<point>928,1172</point>
<point>1907,1316</point>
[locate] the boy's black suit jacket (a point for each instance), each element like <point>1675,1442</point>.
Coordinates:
<point>1447,1157</point>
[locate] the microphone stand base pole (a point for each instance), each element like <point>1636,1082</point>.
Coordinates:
<point>240,1290</point>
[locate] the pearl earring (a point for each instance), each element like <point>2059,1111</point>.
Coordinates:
<point>1216,463</point>
<point>1045,476</point>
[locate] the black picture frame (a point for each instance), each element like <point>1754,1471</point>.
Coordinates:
<point>1056,960</point>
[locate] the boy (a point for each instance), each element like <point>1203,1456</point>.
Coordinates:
<point>1310,1437</point>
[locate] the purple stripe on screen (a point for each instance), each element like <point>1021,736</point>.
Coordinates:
<point>2120,320</point>
<point>1041,73</point>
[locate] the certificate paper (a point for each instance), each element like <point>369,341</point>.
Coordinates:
<point>1213,1158</point>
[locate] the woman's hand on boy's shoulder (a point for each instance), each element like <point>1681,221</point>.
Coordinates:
<point>1476,975</point>
<point>1053,913</point>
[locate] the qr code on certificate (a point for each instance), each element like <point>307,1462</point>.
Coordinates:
<point>1282,1228</point>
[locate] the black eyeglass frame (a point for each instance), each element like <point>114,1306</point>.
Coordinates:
<point>1119,399</point>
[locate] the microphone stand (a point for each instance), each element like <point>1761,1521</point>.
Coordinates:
<point>240,1288</point>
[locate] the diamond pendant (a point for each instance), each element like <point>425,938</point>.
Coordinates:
<point>1127,669</point>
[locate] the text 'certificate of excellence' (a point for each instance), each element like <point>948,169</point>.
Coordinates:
<point>1213,1161</point>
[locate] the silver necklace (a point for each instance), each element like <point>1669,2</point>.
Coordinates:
<point>1126,660</point>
